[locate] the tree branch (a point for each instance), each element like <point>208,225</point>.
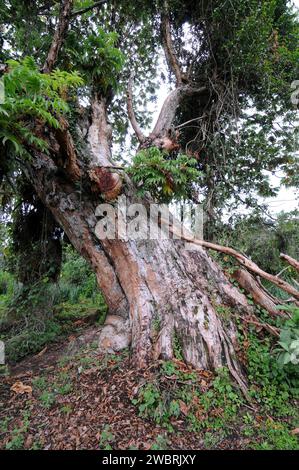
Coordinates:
<point>87,9</point>
<point>131,114</point>
<point>61,29</point>
<point>108,183</point>
<point>247,263</point>
<point>99,133</point>
<point>167,44</point>
<point>271,329</point>
<point>294,263</point>
<point>259,295</point>
<point>169,108</point>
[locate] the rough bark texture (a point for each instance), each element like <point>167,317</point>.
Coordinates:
<point>164,292</point>
<point>164,296</point>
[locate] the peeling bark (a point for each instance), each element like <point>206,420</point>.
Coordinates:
<point>99,139</point>
<point>99,133</point>
<point>169,108</point>
<point>151,282</point>
<point>75,213</point>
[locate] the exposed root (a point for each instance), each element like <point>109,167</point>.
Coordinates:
<point>259,295</point>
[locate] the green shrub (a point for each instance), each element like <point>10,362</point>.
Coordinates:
<point>288,350</point>
<point>163,177</point>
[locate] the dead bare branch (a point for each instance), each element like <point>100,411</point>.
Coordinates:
<point>247,263</point>
<point>139,134</point>
<point>293,262</point>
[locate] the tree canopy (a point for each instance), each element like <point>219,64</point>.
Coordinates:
<point>243,55</point>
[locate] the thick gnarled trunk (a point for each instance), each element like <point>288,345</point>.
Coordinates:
<point>167,297</point>
<point>161,292</point>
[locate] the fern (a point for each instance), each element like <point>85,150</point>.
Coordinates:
<point>98,58</point>
<point>166,179</point>
<point>31,94</point>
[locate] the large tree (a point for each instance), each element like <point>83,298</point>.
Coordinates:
<point>57,130</point>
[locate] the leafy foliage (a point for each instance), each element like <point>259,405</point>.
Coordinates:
<point>163,177</point>
<point>36,315</point>
<point>31,94</point>
<point>289,339</point>
<point>98,58</point>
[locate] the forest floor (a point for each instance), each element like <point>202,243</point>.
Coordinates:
<point>69,396</point>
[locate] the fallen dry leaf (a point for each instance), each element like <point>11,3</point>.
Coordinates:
<point>295,431</point>
<point>72,338</point>
<point>20,388</point>
<point>184,408</point>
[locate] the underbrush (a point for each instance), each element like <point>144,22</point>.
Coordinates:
<point>174,403</point>
<point>213,406</point>
<point>33,316</point>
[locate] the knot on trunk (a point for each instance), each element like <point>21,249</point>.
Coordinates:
<point>108,183</point>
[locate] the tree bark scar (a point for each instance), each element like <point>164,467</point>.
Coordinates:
<point>108,183</point>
